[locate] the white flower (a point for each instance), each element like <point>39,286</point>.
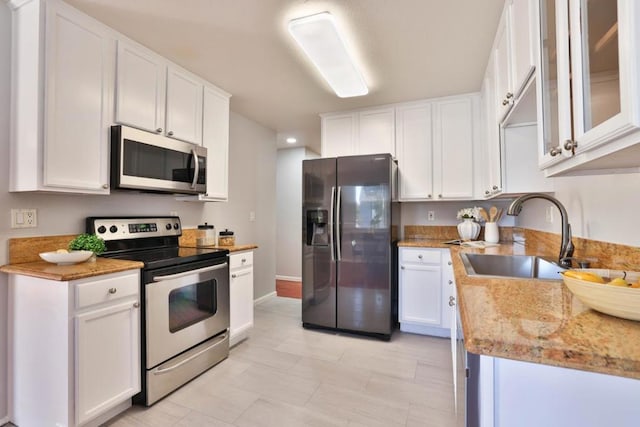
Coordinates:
<point>469,213</point>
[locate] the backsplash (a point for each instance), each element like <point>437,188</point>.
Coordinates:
<point>604,254</point>
<point>448,232</point>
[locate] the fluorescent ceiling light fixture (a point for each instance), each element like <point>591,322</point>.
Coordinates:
<point>319,38</point>
<point>291,140</point>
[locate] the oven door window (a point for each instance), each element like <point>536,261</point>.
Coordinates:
<point>191,304</point>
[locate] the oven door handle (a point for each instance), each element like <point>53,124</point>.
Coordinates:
<point>190,358</point>
<point>189,273</point>
<point>196,167</point>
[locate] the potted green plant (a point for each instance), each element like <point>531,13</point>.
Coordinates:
<point>88,242</point>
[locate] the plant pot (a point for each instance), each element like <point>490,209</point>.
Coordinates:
<point>468,229</point>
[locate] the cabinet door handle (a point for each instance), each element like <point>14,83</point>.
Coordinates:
<point>570,145</point>
<point>402,267</point>
<point>452,301</point>
<point>159,130</point>
<point>449,263</point>
<point>439,196</point>
<point>428,196</point>
<point>105,186</point>
<point>136,304</point>
<point>170,133</point>
<point>244,260</point>
<point>244,273</point>
<point>505,102</point>
<point>419,256</point>
<point>555,151</point>
<point>509,95</point>
<point>451,282</point>
<point>113,290</point>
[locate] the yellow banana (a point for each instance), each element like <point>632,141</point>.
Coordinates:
<point>584,275</point>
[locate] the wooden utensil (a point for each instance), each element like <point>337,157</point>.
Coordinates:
<point>500,211</point>
<point>483,214</point>
<point>493,212</point>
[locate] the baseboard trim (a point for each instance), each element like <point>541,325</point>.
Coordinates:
<point>289,278</point>
<point>4,420</point>
<point>264,298</point>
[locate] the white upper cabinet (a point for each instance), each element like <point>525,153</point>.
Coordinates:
<point>215,137</point>
<point>370,131</point>
<point>339,134</point>
<point>490,165</point>
<point>513,54</point>
<point>414,139</point>
<point>523,49</point>
<point>589,100</point>
<point>157,96</point>
<point>184,105</point>
<point>60,142</point>
<point>140,88</point>
<point>376,131</point>
<point>435,141</point>
<point>454,126</point>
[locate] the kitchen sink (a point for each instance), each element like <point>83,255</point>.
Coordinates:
<point>523,266</point>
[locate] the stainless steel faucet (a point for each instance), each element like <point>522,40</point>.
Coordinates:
<point>566,247</point>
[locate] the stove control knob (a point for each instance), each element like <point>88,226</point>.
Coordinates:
<point>176,226</point>
<point>168,226</point>
<point>113,229</point>
<point>102,229</point>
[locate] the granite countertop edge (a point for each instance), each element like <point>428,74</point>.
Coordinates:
<point>494,312</point>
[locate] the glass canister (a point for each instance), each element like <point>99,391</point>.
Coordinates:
<point>206,235</point>
<point>226,238</point>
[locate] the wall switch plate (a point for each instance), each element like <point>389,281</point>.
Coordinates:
<point>431,216</point>
<point>24,218</point>
<point>252,216</point>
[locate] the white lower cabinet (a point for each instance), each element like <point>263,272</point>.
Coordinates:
<point>425,284</point>
<point>240,296</point>
<point>523,394</point>
<point>74,348</point>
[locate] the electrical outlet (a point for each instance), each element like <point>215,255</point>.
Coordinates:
<point>252,216</point>
<point>24,218</point>
<point>173,213</point>
<point>549,214</point>
<point>431,216</point>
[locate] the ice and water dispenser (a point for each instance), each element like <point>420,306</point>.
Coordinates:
<point>317,227</point>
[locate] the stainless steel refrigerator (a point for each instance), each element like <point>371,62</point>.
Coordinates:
<point>349,228</point>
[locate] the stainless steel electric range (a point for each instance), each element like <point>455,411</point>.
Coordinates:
<point>185,294</point>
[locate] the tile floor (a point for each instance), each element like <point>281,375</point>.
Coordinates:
<point>284,375</point>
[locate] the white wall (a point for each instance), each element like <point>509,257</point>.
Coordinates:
<point>251,188</point>
<point>416,213</point>
<point>289,208</point>
<point>601,207</point>
<point>252,179</point>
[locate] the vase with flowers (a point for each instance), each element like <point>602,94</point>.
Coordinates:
<point>469,229</point>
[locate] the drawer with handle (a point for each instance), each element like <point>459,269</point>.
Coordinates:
<point>100,290</point>
<point>421,256</point>
<point>240,260</point>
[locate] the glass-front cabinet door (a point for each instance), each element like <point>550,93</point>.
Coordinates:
<point>590,92</point>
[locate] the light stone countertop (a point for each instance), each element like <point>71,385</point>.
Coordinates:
<point>538,321</point>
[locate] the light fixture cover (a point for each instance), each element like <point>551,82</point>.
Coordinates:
<point>320,40</point>
<point>291,140</point>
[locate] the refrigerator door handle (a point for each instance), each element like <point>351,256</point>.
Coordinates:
<point>331,218</point>
<point>338,224</point>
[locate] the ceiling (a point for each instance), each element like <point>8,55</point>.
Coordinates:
<point>408,50</point>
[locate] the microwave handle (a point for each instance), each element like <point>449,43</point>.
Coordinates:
<point>196,171</point>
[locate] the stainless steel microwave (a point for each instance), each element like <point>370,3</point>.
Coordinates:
<point>146,161</point>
